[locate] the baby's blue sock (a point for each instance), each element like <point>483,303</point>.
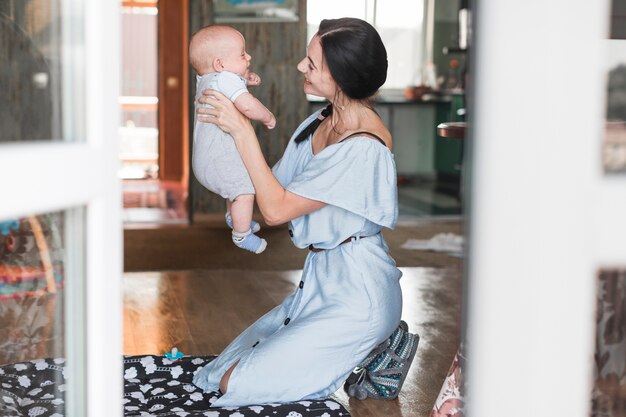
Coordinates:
<point>254,226</point>
<point>249,241</point>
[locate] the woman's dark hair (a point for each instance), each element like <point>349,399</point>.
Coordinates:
<point>356,58</point>
<point>355,55</point>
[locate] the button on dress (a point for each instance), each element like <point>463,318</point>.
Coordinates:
<point>349,298</point>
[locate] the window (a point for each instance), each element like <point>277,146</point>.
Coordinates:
<point>139,103</point>
<point>399,22</point>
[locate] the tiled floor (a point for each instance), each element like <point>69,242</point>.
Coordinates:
<point>154,202</point>
<point>426,198</point>
<point>157,202</point>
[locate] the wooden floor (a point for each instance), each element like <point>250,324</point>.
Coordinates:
<point>201,311</point>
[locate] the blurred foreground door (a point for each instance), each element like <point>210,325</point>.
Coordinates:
<point>541,231</point>
<point>60,228</point>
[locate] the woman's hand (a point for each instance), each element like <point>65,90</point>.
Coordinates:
<point>222,112</point>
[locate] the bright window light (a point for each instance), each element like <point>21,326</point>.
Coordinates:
<point>399,22</point>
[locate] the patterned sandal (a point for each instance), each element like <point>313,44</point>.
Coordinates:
<point>381,375</point>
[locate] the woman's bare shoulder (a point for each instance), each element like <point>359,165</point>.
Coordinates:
<point>376,126</point>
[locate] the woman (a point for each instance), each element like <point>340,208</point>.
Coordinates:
<point>336,186</point>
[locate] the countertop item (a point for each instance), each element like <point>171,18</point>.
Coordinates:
<point>452,130</point>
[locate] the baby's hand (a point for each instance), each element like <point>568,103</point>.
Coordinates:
<point>271,123</point>
<point>254,79</point>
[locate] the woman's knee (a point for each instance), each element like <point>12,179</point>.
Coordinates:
<point>226,378</point>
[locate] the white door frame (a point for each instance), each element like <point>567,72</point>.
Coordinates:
<point>82,172</point>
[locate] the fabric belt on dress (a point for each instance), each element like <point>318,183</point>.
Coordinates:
<point>314,249</point>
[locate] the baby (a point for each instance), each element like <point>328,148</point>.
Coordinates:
<point>218,55</point>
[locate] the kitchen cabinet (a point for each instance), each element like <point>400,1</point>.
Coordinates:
<point>418,152</point>
<point>448,152</point>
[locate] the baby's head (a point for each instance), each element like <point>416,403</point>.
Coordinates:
<point>218,48</point>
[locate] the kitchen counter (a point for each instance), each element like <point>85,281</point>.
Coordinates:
<point>398,97</point>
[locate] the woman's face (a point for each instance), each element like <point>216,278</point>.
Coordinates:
<point>317,78</point>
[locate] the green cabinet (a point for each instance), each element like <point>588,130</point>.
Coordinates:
<point>449,152</point>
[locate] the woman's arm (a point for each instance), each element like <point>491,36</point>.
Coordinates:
<point>277,205</point>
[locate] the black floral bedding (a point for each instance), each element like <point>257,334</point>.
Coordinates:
<point>154,386</point>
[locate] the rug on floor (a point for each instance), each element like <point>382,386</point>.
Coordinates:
<point>154,386</point>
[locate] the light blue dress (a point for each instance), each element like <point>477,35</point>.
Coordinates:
<point>349,299</point>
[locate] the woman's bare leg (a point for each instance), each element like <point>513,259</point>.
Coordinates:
<point>226,378</point>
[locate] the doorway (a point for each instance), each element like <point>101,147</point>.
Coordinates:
<point>153,107</point>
